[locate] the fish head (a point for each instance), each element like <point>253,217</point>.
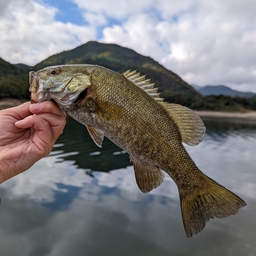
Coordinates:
<point>65,84</point>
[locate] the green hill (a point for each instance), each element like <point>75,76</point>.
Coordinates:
<point>14,78</point>
<point>13,81</point>
<point>120,59</point>
<point>23,66</point>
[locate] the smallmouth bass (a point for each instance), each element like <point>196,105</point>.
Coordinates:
<point>127,109</point>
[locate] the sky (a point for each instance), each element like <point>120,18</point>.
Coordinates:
<point>204,42</point>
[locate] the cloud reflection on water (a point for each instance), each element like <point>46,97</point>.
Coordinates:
<point>56,209</point>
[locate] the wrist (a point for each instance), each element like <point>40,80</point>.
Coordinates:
<point>1,172</point>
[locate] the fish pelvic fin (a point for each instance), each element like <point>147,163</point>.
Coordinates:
<point>147,176</point>
<point>210,201</point>
<point>96,134</point>
<point>190,125</point>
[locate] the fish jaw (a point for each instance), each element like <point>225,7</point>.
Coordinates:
<point>64,93</point>
<point>37,88</point>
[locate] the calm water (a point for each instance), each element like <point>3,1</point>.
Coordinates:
<point>82,200</point>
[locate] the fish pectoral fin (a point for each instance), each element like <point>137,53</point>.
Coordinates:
<point>96,134</point>
<point>190,125</point>
<point>147,176</point>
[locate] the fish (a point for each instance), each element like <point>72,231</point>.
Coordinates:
<point>128,110</point>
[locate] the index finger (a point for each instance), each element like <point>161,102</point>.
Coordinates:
<point>46,107</point>
<point>18,112</point>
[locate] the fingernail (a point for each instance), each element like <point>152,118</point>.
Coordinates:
<point>35,107</point>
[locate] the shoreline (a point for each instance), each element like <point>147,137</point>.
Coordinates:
<point>223,114</point>
<point>8,103</point>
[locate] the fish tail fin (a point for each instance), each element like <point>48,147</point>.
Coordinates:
<point>211,200</point>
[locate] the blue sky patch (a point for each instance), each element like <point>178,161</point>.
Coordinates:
<point>68,11</point>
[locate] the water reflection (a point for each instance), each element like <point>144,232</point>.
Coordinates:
<point>222,135</point>
<point>220,129</point>
<point>56,209</point>
<point>89,156</point>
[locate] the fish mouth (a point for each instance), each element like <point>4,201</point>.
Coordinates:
<point>65,98</point>
<point>38,92</point>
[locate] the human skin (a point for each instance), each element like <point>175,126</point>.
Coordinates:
<point>27,134</point>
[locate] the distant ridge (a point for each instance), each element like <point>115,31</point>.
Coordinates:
<point>14,78</point>
<point>23,66</point>
<point>222,90</point>
<point>111,56</point>
<point>120,59</point>
<point>13,81</point>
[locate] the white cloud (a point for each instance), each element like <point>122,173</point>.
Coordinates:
<point>115,9</point>
<point>95,19</point>
<point>29,32</point>
<point>138,32</point>
<point>205,42</point>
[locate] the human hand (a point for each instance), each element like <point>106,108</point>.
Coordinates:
<point>27,134</point>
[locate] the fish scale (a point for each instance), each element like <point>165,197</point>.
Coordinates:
<point>127,109</point>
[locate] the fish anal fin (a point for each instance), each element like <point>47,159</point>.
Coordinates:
<point>190,125</point>
<point>211,200</point>
<point>96,134</point>
<point>147,176</point>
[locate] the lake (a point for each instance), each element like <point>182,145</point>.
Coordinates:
<point>83,200</point>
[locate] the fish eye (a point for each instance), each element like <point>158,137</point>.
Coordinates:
<point>55,71</point>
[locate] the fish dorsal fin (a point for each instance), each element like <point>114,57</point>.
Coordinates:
<point>143,83</point>
<point>96,134</point>
<point>147,176</point>
<point>191,126</point>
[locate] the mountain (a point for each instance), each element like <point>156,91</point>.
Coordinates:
<point>14,78</point>
<point>13,81</point>
<point>120,59</point>
<point>23,66</point>
<point>222,90</point>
